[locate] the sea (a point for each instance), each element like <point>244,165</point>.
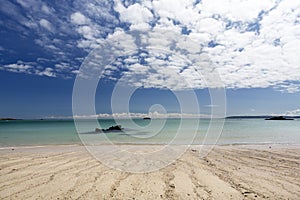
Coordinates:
<point>154,131</point>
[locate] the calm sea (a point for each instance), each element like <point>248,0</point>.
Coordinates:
<point>155,131</point>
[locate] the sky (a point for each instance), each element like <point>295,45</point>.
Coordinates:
<point>248,48</point>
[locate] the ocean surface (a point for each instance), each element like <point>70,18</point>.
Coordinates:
<point>155,131</point>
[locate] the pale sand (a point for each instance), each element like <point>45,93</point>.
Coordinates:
<point>228,172</point>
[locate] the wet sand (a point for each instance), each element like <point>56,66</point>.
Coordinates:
<point>228,172</point>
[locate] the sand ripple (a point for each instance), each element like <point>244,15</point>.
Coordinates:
<point>238,172</point>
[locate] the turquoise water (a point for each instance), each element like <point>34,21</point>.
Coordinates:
<point>155,131</point>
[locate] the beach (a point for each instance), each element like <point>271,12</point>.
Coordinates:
<point>150,99</point>
<point>227,172</point>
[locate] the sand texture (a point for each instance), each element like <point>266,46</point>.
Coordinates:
<point>228,172</point>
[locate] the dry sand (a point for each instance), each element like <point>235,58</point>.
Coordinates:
<point>228,172</point>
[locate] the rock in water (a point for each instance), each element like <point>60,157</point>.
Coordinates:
<point>114,128</point>
<point>98,130</point>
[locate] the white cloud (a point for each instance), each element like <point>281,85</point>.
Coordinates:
<point>288,87</point>
<point>153,115</point>
<point>211,106</point>
<point>47,72</point>
<point>75,71</point>
<point>138,68</point>
<point>137,15</point>
<point>28,68</point>
<point>235,10</point>
<point>46,9</point>
<point>17,67</point>
<point>144,27</point>
<point>87,32</point>
<point>244,58</point>
<point>46,24</point>
<point>79,19</point>
<point>250,43</point>
<point>62,66</point>
<point>134,14</point>
<point>295,112</point>
<point>178,10</point>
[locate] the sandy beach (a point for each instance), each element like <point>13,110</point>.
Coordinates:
<point>228,172</point>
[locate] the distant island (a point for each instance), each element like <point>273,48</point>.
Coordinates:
<point>146,118</point>
<point>261,117</point>
<point>279,118</point>
<point>7,119</point>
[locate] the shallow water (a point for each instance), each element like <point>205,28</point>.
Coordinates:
<point>155,131</point>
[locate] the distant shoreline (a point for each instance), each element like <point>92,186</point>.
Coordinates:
<point>136,118</point>
<point>8,119</point>
<point>257,117</point>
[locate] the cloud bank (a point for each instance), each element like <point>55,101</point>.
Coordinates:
<point>153,115</point>
<point>295,112</point>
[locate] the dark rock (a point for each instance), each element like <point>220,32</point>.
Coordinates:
<point>110,129</point>
<point>7,119</point>
<point>114,128</point>
<point>98,130</point>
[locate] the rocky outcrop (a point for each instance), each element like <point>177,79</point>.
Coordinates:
<point>110,129</point>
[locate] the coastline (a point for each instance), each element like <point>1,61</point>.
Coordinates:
<point>227,172</point>
<point>241,144</point>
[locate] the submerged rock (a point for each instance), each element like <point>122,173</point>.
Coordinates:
<point>112,128</point>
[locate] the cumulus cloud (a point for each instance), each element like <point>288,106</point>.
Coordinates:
<point>235,10</point>
<point>236,36</point>
<point>137,15</point>
<point>79,19</point>
<point>249,43</point>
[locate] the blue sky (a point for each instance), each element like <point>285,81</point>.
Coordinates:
<point>249,48</point>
